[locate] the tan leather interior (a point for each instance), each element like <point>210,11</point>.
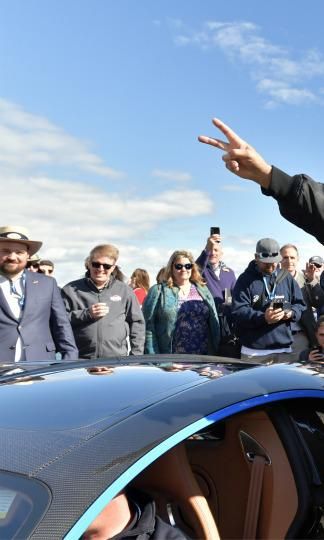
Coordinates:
<point>223,473</point>
<point>207,483</point>
<point>171,481</point>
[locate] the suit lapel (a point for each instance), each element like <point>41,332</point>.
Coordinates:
<point>4,306</point>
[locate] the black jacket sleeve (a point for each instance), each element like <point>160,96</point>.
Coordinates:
<point>300,200</point>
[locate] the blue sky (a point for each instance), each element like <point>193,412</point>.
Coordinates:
<point>101,103</point>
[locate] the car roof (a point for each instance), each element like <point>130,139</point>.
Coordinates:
<point>63,421</point>
<point>70,396</point>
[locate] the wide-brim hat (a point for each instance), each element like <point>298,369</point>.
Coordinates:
<point>34,258</point>
<point>19,235</point>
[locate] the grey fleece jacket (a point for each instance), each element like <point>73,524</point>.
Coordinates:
<point>99,338</point>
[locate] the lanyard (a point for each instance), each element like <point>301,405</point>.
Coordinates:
<point>271,294</point>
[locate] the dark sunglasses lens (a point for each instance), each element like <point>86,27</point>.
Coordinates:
<point>179,266</point>
<point>265,255</point>
<point>317,265</point>
<point>105,266</point>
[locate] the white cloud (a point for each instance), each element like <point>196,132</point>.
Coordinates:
<point>281,92</point>
<point>28,141</point>
<point>70,217</point>
<point>177,176</point>
<point>242,41</point>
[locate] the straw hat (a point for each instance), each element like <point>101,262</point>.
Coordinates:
<point>19,235</point>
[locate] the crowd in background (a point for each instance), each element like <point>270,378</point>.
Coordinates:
<point>271,313</point>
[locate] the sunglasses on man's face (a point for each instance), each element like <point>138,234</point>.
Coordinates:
<point>105,266</point>
<point>266,255</point>
<point>179,266</point>
<point>317,265</point>
<point>41,271</point>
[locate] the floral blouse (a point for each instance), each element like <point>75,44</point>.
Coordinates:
<point>191,331</point>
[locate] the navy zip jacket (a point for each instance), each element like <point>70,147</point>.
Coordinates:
<point>250,300</point>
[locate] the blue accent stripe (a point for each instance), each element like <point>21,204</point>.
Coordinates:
<point>91,513</point>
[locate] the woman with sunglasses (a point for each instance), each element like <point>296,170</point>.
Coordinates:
<point>180,313</point>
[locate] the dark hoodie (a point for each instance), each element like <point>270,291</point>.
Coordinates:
<point>250,300</point>
<point>148,526</point>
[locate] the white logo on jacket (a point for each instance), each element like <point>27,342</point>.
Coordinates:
<point>115,298</point>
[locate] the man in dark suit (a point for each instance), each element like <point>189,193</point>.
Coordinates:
<point>33,321</point>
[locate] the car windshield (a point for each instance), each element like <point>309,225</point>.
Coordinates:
<point>23,502</point>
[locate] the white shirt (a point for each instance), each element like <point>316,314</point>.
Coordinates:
<point>13,301</point>
<point>264,352</point>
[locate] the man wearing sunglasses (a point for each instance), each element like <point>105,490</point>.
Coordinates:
<point>266,301</point>
<point>105,315</point>
<point>315,283</point>
<point>46,267</point>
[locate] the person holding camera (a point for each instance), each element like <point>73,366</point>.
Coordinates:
<point>314,285</point>
<point>315,355</point>
<point>220,280</point>
<point>266,300</point>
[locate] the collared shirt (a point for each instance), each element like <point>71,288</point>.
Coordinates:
<point>14,293</point>
<point>217,269</point>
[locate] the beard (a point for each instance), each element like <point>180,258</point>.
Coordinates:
<point>11,269</point>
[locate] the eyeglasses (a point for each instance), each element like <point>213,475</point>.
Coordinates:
<point>266,255</point>
<point>105,266</point>
<point>179,266</point>
<point>317,265</point>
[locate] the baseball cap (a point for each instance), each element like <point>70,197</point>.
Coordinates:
<point>268,250</point>
<point>316,259</point>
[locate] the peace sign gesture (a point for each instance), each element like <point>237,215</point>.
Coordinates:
<point>240,158</point>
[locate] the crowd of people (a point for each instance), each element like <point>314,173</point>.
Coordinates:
<point>273,312</point>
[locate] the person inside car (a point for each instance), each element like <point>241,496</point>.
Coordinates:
<point>131,515</point>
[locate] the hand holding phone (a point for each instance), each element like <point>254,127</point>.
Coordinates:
<point>316,355</point>
<point>277,305</point>
<point>214,230</point>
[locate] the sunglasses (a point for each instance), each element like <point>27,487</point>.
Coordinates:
<point>266,255</point>
<point>179,266</point>
<point>317,265</point>
<point>40,271</point>
<point>105,266</point>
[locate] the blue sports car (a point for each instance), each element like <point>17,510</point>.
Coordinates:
<point>227,449</point>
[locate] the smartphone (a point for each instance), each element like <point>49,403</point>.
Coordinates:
<point>317,350</point>
<point>214,230</point>
<point>277,305</point>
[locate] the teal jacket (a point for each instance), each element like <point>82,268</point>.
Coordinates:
<point>160,310</point>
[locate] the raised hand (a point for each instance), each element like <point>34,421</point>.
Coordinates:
<point>240,158</point>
